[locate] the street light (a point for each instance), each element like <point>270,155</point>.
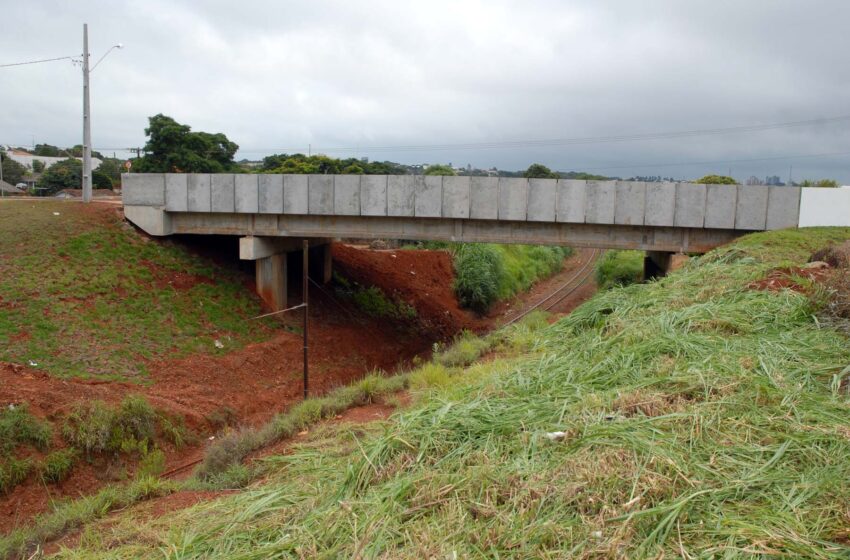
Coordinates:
<point>87,171</point>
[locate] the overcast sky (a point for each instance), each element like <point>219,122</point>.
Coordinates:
<point>279,76</point>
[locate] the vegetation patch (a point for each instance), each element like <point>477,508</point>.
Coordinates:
<point>619,268</point>
<point>96,428</point>
<point>57,466</point>
<point>373,301</point>
<point>19,427</point>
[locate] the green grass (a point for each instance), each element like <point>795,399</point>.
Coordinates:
<point>488,272</point>
<point>84,295</point>
<point>619,268</point>
<point>12,472</point>
<point>700,418</point>
<point>57,466</point>
<point>19,427</point>
<point>96,428</point>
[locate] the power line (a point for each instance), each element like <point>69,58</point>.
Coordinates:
<point>38,61</point>
<point>568,141</point>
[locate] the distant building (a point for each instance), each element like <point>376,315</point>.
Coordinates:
<point>26,159</point>
<point>773,180</point>
<point>753,180</point>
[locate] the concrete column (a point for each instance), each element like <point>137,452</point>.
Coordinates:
<point>327,263</point>
<point>271,280</point>
<point>661,263</point>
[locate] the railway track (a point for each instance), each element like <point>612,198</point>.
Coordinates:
<point>567,288</point>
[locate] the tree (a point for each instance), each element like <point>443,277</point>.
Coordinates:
<point>539,171</point>
<point>13,171</point>
<point>173,148</point>
<point>112,168</point>
<point>46,150</point>
<point>826,184</point>
<point>77,151</point>
<point>716,180</point>
<point>65,174</point>
<point>439,169</point>
<point>37,166</point>
<point>353,169</point>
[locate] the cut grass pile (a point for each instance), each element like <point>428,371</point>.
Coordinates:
<point>83,294</point>
<point>687,417</point>
<point>619,268</point>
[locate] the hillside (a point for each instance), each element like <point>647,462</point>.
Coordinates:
<point>702,415</point>
<point>84,295</point>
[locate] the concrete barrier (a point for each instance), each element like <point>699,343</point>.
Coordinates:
<point>269,200</point>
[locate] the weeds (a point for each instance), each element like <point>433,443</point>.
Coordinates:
<point>57,466</point>
<point>19,427</point>
<point>12,472</point>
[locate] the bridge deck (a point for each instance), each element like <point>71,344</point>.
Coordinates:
<point>620,214</point>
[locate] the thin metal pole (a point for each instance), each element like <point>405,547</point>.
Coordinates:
<point>87,175</point>
<point>304,303</point>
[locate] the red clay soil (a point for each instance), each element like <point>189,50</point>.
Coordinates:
<point>782,278</point>
<point>422,279</point>
<point>255,382</point>
<point>261,379</point>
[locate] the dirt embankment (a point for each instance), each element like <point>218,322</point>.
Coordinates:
<point>257,381</point>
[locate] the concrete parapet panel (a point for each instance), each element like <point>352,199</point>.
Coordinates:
<point>513,198</point>
<point>143,189</point>
<point>542,200</point>
<point>601,202</point>
<point>346,195</point>
<point>373,195</point>
<point>176,192</point>
<point>198,189</point>
<point>270,194</point>
<point>572,198</point>
<point>222,196</point>
<point>783,207</point>
<point>720,202</point>
<point>320,193</point>
<point>246,193</point>
<point>631,203</point>
<point>484,198</point>
<point>296,199</point>
<point>400,196</point>
<point>751,210</point>
<point>660,204</point>
<point>690,205</point>
<point>428,196</point>
<point>455,197</point>
<point>824,207</point>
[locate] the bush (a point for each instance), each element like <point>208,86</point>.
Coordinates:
<point>95,428</point>
<point>478,269</point>
<point>13,472</point>
<point>58,465</point>
<point>619,268</point>
<point>18,426</point>
<point>152,464</point>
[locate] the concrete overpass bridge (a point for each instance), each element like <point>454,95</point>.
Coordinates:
<point>273,213</point>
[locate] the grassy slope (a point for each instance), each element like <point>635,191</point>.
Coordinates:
<point>701,418</point>
<point>79,295</point>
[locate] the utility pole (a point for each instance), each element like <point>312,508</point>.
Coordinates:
<point>87,173</point>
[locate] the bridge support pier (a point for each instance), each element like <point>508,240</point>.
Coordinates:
<point>271,280</point>
<point>271,270</point>
<point>660,263</point>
